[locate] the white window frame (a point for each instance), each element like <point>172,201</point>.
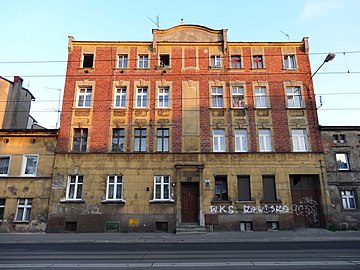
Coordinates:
<point>217,97</point>
<point>219,142</point>
<point>143,61</point>
<point>299,140</point>
<point>142,97</point>
<point>215,61</point>
<point>8,165</point>
<point>84,96</point>
<point>120,97</point>
<point>265,140</point>
<point>348,199</point>
<point>290,61</point>
<point>162,183</point>
<point>241,140</point>
<point>238,97</point>
<point>71,194</point>
<point>24,166</point>
<point>116,185</point>
<point>261,97</point>
<point>123,61</point>
<point>23,204</point>
<point>164,97</point>
<point>344,158</point>
<point>293,97</point>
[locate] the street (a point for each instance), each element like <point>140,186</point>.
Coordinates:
<point>342,255</point>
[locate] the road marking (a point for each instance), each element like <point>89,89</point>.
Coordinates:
<point>175,265</point>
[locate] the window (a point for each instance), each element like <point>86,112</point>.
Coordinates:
<point>140,140</point>
<point>164,97</point>
<point>80,139</point>
<point>269,189</point>
<point>141,97</point>
<point>164,61</point>
<point>235,61</point>
<point>241,140</point>
<point>299,140</point>
<point>244,193</point>
<point>265,140</point>
<point>162,188</point>
<point>4,165</point>
<point>88,61</point>
<point>342,138</point>
<point>219,140</point>
<point>221,189</point>
<point>2,208</point>
<point>120,97</point>
<point>30,163</point>
<point>289,61</point>
<point>260,97</point>
<point>293,95</point>
<point>215,61</point>
<point>118,138</point>
<point>335,138</point>
<point>258,61</point>
<point>246,226</point>
<point>348,199</point>
<point>74,187</point>
<point>123,61</point>
<point>342,162</point>
<point>238,100</point>
<point>143,61</point>
<point>217,97</point>
<point>23,209</point>
<point>114,188</point>
<point>84,97</point>
<point>162,140</point>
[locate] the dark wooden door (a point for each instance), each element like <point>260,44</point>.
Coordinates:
<point>189,202</point>
<point>306,204</point>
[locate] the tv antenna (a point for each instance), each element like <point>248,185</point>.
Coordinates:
<point>58,109</point>
<point>286,35</point>
<point>157,23</point>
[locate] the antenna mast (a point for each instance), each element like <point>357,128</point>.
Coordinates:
<point>157,22</point>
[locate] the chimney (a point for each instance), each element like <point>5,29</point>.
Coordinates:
<point>18,79</point>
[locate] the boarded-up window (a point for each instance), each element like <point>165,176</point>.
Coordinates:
<point>244,193</point>
<point>269,188</point>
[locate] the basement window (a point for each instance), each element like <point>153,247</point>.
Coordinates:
<point>246,226</point>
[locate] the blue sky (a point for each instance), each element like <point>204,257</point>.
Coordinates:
<point>37,30</point>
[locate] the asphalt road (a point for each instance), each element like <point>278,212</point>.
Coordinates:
<point>344,255</point>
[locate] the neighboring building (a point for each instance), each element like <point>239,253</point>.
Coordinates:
<point>15,103</point>
<point>342,154</point>
<point>188,128</point>
<point>26,167</point>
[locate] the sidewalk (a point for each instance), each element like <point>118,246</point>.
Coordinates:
<point>268,236</point>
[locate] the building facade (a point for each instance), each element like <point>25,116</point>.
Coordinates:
<point>342,153</point>
<point>26,169</point>
<point>188,128</point>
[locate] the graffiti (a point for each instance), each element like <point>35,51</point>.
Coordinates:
<point>266,209</point>
<point>308,208</point>
<point>222,209</point>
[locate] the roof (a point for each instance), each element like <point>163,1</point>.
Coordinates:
<point>336,128</point>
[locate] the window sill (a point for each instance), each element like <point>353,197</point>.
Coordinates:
<point>140,68</point>
<point>21,221</point>
<point>236,69</point>
<point>245,202</point>
<point>113,202</point>
<point>215,68</point>
<point>270,202</point>
<point>258,69</point>
<point>72,201</point>
<point>350,209</point>
<point>171,201</point>
<point>219,201</point>
<point>290,69</point>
